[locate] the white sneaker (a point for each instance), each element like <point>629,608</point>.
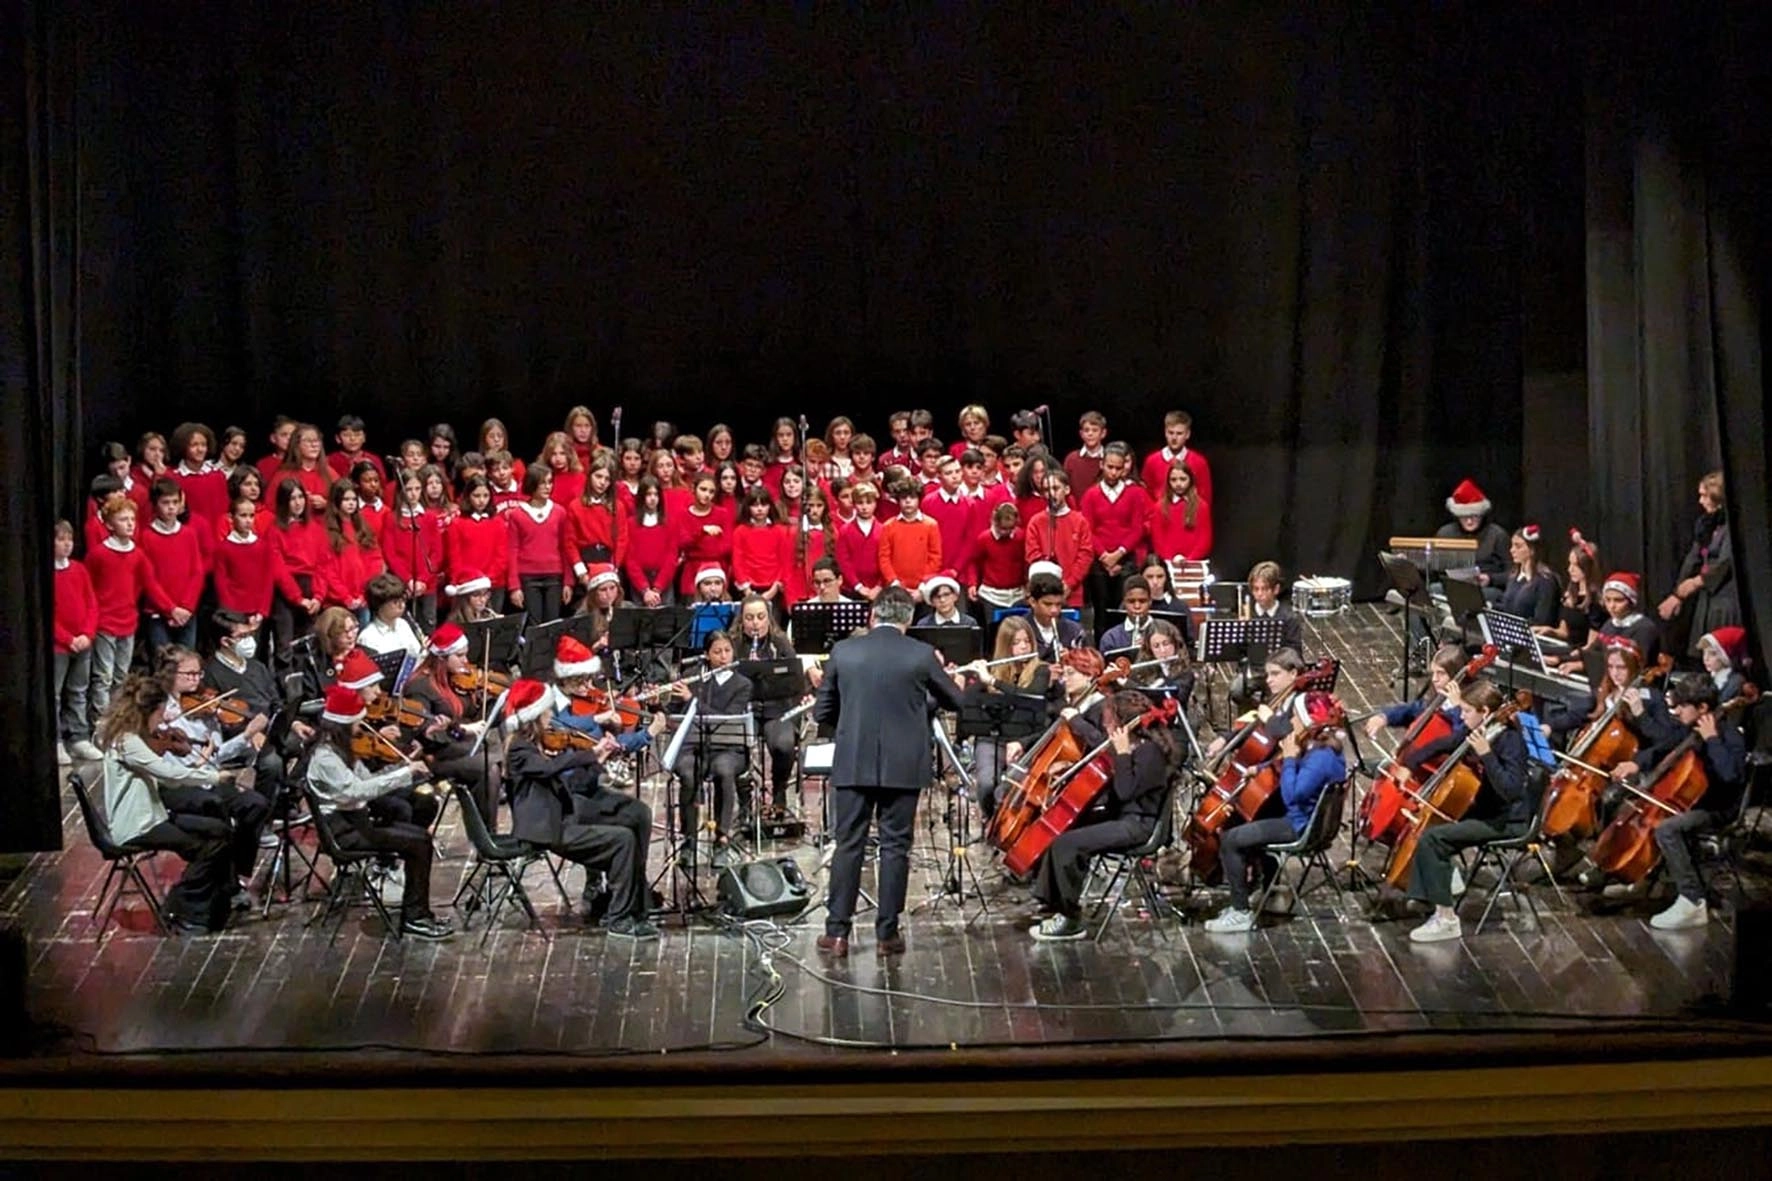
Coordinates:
<point>1623,891</point>
<point>84,751</point>
<point>62,758</point>
<point>1438,929</point>
<point>1231,921</point>
<point>1683,915</point>
<point>1457,881</point>
<point>1059,927</point>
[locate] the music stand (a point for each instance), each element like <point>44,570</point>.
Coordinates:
<point>1237,641</point>
<point>541,639</point>
<point>645,630</point>
<point>1405,578</point>
<point>772,681</point>
<point>816,627</point>
<point>495,639</point>
<point>674,834</point>
<point>1465,600</point>
<point>704,620</point>
<point>957,645</point>
<point>1512,634</point>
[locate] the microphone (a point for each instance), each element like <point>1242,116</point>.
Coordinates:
<point>1042,409</point>
<point>804,426</point>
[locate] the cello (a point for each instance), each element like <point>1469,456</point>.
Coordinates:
<point>1061,781</point>
<point>1381,813</point>
<point>1238,786</point>
<point>1626,850</point>
<point>1445,796</point>
<point>1573,794</point>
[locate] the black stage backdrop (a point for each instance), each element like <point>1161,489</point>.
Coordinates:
<point>1311,229</point>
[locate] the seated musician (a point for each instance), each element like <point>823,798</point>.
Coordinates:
<point>602,597</point>
<point>1128,635</point>
<point>348,795</point>
<point>1724,652</point>
<point>1279,672</point>
<point>402,804</point>
<point>1135,797</point>
<point>1503,809</point>
<point>449,734</point>
<point>1693,705</point>
<point>1053,633</point>
<point>1264,603</point>
<point>1312,760</point>
<point>1446,664</point>
<point>1470,512</point>
<point>721,691</point>
<point>1579,611</point>
<point>1171,674</point>
<point>1156,576</point>
<point>135,775</point>
<point>388,627</point>
<point>827,582</point>
<point>942,592</point>
<point>234,799</point>
<point>1025,676</point>
<point>760,639</point>
<point>1619,595</point>
<point>545,814</point>
<point>470,598</point>
<point>1623,667</point>
<point>1531,590</point>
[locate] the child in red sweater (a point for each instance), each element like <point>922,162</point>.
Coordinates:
<point>76,626</point>
<point>1118,512</point>
<point>704,533</point>
<point>999,560</point>
<point>412,547</point>
<point>1062,535</point>
<point>593,522</point>
<point>957,517</point>
<point>121,579</point>
<point>178,555</point>
<point>248,569</point>
<point>299,540</point>
<point>858,546</point>
<point>352,556</point>
<point>762,550</point>
<point>540,576</point>
<point>813,539</point>
<point>204,484</point>
<point>1181,520</point>
<point>910,544</point>
<point>1178,429</point>
<point>479,540</point>
<point>651,560</point>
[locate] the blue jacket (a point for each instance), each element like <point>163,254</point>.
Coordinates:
<point>631,741</point>
<point>1303,779</point>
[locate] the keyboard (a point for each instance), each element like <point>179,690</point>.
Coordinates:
<point>1557,686</point>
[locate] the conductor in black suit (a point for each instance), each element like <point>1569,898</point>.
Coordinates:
<point>876,691</point>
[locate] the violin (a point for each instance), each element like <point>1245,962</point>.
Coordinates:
<point>1626,849</point>
<point>1573,795</point>
<point>230,712</point>
<point>369,745</point>
<point>400,711</point>
<point>1446,795</point>
<point>474,680</point>
<point>1381,813</point>
<point>629,710</point>
<point>163,741</point>
<point>556,739</point>
<point>1240,786</point>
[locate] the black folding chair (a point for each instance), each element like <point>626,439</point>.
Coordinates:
<point>1507,855</point>
<point>496,877</point>
<point>355,881</point>
<point>1129,866</point>
<point>124,874</point>
<point>290,867</point>
<point>1310,848</point>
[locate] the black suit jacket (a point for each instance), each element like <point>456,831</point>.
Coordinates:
<point>1070,635</point>
<point>876,690</point>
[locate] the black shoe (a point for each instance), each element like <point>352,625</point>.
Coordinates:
<point>430,928</point>
<point>631,928</point>
<point>183,925</point>
<point>241,900</point>
<point>596,907</point>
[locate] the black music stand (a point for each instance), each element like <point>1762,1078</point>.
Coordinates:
<point>541,639</point>
<point>1513,635</point>
<point>1240,642</point>
<point>495,640</point>
<point>1465,600</point>
<point>957,645</point>
<point>1405,578</point>
<point>646,631</point>
<point>772,682</point>
<point>817,627</point>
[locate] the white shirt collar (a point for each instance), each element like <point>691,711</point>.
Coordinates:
<point>159,526</point>
<point>63,563</point>
<point>237,539</point>
<point>722,676</point>
<point>538,515</point>
<point>1099,451</point>
<point>116,543</point>
<point>1112,492</point>
<point>1172,456</point>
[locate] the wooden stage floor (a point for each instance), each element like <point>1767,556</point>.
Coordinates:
<point>971,979</point>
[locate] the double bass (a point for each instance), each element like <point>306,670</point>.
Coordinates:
<point>1381,813</point>
<point>1572,798</point>
<point>1239,786</point>
<point>1626,850</point>
<point>1445,796</point>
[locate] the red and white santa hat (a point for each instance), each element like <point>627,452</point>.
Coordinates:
<point>1316,708</point>
<point>358,671</point>
<point>343,705</point>
<point>1046,566</point>
<point>1623,643</point>
<point>938,580</point>
<point>447,640</point>
<point>573,659</point>
<point>1467,500</point>
<point>526,701</point>
<point>709,571</point>
<point>470,581</point>
<point>1627,584</point>
<point>1728,642</point>
<point>600,574</point>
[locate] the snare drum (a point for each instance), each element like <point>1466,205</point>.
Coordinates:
<point>1317,597</point>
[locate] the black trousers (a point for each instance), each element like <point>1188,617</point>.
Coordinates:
<point>245,813</point>
<point>423,610</point>
<point>610,849</point>
<point>405,806</point>
<point>204,892</point>
<point>1101,593</point>
<point>288,621</point>
<point>1061,873</point>
<point>1675,837</point>
<point>1242,845</point>
<point>482,778</point>
<point>723,767</point>
<point>541,596</point>
<point>605,806</point>
<point>1430,877</point>
<point>359,829</point>
<point>781,739</point>
<point>853,811</point>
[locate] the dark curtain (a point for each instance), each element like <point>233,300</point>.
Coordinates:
<point>1676,266</point>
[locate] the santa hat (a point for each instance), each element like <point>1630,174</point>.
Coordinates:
<point>1530,533</point>
<point>448,640</point>
<point>358,671</point>
<point>707,572</point>
<point>1628,585</point>
<point>343,705</point>
<point>1467,500</point>
<point>1316,708</point>
<point>1045,566</point>
<point>471,581</point>
<point>600,573</point>
<point>1729,642</point>
<point>526,701</point>
<point>936,581</point>
<point>1622,643</point>
<point>573,659</point>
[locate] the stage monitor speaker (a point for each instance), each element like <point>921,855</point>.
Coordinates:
<point>764,889</point>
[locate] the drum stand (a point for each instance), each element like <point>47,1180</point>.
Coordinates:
<point>957,820</point>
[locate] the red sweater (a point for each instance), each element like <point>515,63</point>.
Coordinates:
<point>96,530</point>
<point>376,516</point>
<point>345,573</point>
<point>858,556</point>
<point>504,498</point>
<point>761,556</point>
<point>651,559</point>
<point>1067,540</point>
<point>698,549</point>
<point>76,607</point>
<point>593,524</point>
<point>341,464</point>
<point>776,468</point>
<point>414,554</point>
<point>247,571</point>
<point>999,562</point>
<point>1170,536</point>
<point>120,580</point>
<point>478,543</point>
<point>302,548</point>
<point>537,547</point>
<point>1084,470</point>
<point>817,542</point>
<point>179,561</point>
<point>1117,523</point>
<point>315,483</point>
<point>910,551</point>
<point>206,492</point>
<point>1155,473</point>
<point>958,521</point>
<point>568,487</point>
